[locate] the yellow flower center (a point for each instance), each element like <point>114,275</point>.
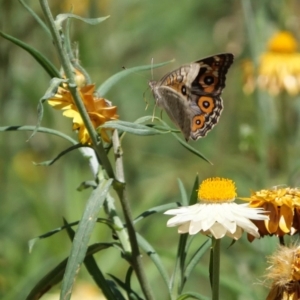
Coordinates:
<point>217,190</point>
<point>283,42</point>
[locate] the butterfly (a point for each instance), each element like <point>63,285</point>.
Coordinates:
<point>191,94</point>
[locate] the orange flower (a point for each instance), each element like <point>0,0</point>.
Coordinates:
<point>99,110</point>
<point>279,67</point>
<point>282,205</point>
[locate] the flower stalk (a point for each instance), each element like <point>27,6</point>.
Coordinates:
<point>67,67</point>
<point>215,270</point>
<point>119,186</point>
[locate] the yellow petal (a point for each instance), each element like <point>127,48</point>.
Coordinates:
<point>272,223</point>
<point>286,218</point>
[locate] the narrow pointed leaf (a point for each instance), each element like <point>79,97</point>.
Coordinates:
<point>194,193</point>
<point>56,274</point>
<point>62,17</point>
<point>125,287</point>
<point>133,128</point>
<point>176,279</point>
<point>149,250</point>
<point>87,184</point>
<point>190,148</point>
<point>110,82</point>
<point>169,129</point>
<point>51,91</point>
<point>32,242</point>
<point>40,58</point>
<point>156,209</point>
<point>184,198</point>
<point>192,295</point>
<point>37,18</point>
<point>195,258</point>
<point>52,161</point>
<point>95,272</point>
<point>82,237</point>
<point>40,129</point>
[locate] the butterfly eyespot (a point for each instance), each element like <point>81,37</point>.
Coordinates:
<point>198,122</point>
<point>206,104</point>
<point>208,80</point>
<point>183,90</point>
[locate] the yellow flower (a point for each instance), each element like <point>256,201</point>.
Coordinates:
<point>279,67</point>
<point>98,109</point>
<point>282,205</point>
<point>216,213</point>
<point>284,271</point>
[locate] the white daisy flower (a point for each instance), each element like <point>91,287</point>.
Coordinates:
<point>216,213</point>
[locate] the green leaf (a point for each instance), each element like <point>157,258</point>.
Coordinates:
<point>95,272</point>
<point>40,58</point>
<point>87,184</point>
<point>52,161</point>
<point>195,258</point>
<point>51,91</point>
<point>82,237</point>
<point>181,141</point>
<point>194,193</point>
<point>192,295</point>
<point>133,128</point>
<point>190,148</point>
<point>37,18</point>
<point>32,242</point>
<point>156,209</point>
<point>125,287</point>
<point>40,129</point>
<point>110,82</point>
<point>56,274</point>
<point>184,199</point>
<point>176,278</point>
<point>62,17</point>
<point>149,250</point>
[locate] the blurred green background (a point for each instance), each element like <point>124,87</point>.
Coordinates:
<point>34,199</point>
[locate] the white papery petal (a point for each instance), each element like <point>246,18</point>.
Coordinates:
<point>218,231</point>
<point>229,225</point>
<point>237,234</point>
<point>178,220</point>
<point>218,219</point>
<point>184,228</point>
<point>177,211</point>
<point>195,227</point>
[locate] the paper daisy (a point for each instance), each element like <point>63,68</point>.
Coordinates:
<point>216,213</point>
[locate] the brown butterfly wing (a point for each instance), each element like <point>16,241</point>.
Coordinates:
<point>212,74</point>
<point>176,107</point>
<point>207,105</point>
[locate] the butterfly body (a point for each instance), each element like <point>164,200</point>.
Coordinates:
<point>190,95</point>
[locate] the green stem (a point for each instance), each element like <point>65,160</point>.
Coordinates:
<point>119,185</point>
<point>98,147</point>
<point>216,243</point>
<point>282,136</point>
<point>262,110</point>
